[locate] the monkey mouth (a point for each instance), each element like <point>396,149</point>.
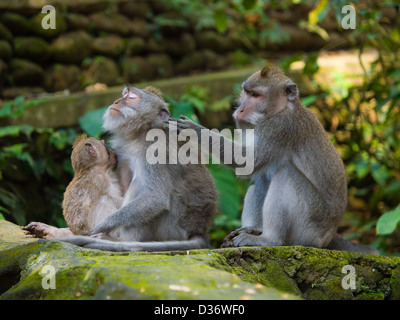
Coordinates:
<point>115,111</point>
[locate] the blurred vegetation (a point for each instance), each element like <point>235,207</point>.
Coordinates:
<point>363,122</point>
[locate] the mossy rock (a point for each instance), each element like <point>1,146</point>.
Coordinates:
<point>16,23</point>
<point>5,50</point>
<point>102,70</point>
<point>5,33</point>
<point>135,45</point>
<point>60,77</point>
<point>72,47</point>
<point>163,63</point>
<point>92,274</point>
<point>37,28</point>
<point>25,73</point>
<point>110,45</point>
<point>180,46</point>
<point>77,21</point>
<point>113,23</point>
<point>135,69</point>
<point>234,273</point>
<point>32,48</point>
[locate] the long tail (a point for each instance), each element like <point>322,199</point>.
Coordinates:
<point>195,242</point>
<point>338,243</point>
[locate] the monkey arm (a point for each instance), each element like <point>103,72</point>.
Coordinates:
<point>230,152</point>
<point>141,210</point>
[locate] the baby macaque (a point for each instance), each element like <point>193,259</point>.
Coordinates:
<point>93,194</point>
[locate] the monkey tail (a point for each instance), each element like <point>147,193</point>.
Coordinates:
<point>195,242</point>
<point>338,243</point>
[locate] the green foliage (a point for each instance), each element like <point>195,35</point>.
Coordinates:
<point>32,166</point>
<point>251,19</point>
<point>388,222</point>
<point>92,122</point>
<point>365,117</point>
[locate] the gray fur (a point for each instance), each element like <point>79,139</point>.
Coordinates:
<point>166,207</point>
<point>299,189</point>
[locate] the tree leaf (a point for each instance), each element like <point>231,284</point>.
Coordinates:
<point>92,122</point>
<point>229,198</point>
<point>249,4</point>
<point>221,20</point>
<point>184,108</point>
<point>388,222</point>
<point>319,12</point>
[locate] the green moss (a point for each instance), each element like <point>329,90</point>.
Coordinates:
<point>234,273</point>
<point>86,274</point>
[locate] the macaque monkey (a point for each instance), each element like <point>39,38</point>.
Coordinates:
<point>93,194</point>
<point>299,189</point>
<point>166,206</point>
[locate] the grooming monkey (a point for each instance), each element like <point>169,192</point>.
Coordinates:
<point>299,189</point>
<point>93,194</point>
<point>166,206</point>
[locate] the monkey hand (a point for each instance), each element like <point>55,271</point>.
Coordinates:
<point>104,227</point>
<point>182,123</point>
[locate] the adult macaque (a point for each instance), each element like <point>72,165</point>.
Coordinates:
<point>298,193</point>
<point>93,194</point>
<point>166,207</point>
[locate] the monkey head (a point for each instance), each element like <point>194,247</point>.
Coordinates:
<point>88,152</point>
<point>137,110</point>
<point>265,93</point>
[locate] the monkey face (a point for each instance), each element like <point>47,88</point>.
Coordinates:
<point>137,109</point>
<point>88,152</point>
<point>250,105</point>
<point>264,93</point>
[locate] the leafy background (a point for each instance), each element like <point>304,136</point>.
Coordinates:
<point>362,120</point>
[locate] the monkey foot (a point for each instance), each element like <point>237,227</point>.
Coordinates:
<point>40,230</point>
<point>229,240</point>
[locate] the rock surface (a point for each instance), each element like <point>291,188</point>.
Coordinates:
<point>235,273</point>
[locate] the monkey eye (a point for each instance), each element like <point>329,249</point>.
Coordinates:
<point>132,95</point>
<point>254,94</point>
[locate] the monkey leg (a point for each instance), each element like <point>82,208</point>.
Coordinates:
<point>251,218</point>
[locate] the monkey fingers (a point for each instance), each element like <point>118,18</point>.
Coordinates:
<point>171,124</point>
<point>106,226</point>
<point>37,229</point>
<point>235,233</point>
<point>186,123</point>
<point>246,239</point>
<point>227,244</point>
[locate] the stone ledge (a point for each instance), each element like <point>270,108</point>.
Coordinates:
<point>234,273</point>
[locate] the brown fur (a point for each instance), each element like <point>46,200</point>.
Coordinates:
<point>93,180</point>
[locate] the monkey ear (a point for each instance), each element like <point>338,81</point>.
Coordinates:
<point>291,91</point>
<point>91,150</point>
<point>164,114</point>
<point>125,91</point>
